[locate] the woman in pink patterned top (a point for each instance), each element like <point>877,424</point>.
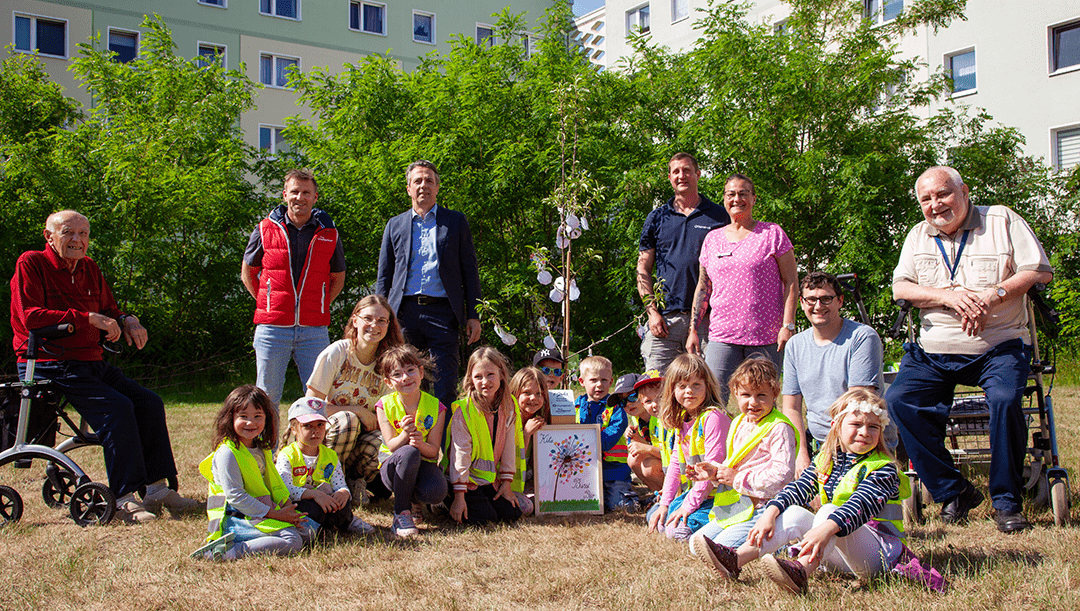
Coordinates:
<point>345,377</point>
<point>748,283</point>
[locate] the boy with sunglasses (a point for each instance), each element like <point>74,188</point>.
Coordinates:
<point>551,363</point>
<point>823,362</point>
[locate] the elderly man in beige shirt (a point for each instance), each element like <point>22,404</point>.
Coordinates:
<point>968,269</point>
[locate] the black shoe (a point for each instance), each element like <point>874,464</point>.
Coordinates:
<point>1010,521</point>
<point>956,510</point>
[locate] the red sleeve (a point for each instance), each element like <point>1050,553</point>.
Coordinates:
<point>28,303</point>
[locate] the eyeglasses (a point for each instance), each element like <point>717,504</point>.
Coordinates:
<point>825,299</point>
<point>632,397</point>
<point>737,194</point>
<point>380,322</point>
<point>552,371</point>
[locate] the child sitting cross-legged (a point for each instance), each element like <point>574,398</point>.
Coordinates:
<point>760,457</point>
<point>859,528</point>
<point>312,472</point>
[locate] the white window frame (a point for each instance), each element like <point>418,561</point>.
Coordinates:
<point>273,152</point>
<point>636,13</point>
<point>947,64</point>
<point>675,18</point>
<point>878,16</point>
<point>138,39</point>
<point>274,57</point>
<point>224,51</point>
<point>1055,162</point>
<point>412,27</point>
<point>33,33</point>
<point>780,27</point>
<point>491,40</point>
<point>385,17</point>
<point>224,3</point>
<point>1075,21</point>
<point>273,11</point>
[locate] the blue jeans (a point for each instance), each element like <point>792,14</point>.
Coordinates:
<point>434,328</point>
<point>695,520</point>
<point>724,359</point>
<point>619,494</point>
<point>733,536</point>
<point>919,402</point>
<point>274,346</point>
<point>129,420</point>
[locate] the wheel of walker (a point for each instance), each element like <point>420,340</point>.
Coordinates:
<point>1059,501</point>
<point>92,503</point>
<point>10,505</point>
<point>913,505</point>
<point>59,494</point>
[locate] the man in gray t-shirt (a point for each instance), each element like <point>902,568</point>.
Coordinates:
<point>823,362</point>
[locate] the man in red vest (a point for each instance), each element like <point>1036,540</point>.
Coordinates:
<point>294,267</point>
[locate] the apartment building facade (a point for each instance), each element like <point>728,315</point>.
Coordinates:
<point>1018,60</point>
<point>266,36</point>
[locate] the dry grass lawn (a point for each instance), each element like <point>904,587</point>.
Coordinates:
<point>46,562</point>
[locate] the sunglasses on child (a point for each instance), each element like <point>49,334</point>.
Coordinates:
<point>552,371</point>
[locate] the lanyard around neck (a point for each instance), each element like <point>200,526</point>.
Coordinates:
<point>952,266</point>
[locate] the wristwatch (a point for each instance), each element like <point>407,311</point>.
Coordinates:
<point>790,326</point>
<point>1001,292</point>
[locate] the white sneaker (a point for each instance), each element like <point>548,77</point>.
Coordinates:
<point>403,525</point>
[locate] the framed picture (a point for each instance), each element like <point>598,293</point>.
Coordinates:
<point>567,473</point>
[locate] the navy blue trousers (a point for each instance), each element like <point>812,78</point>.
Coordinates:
<point>434,328</point>
<point>919,402</point>
<point>129,420</point>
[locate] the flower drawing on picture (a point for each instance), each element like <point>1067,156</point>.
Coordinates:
<point>569,457</point>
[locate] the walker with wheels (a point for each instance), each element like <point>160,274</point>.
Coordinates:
<point>65,483</point>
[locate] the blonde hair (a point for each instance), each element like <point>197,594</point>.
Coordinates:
<point>686,366</point>
<point>503,402</point>
<point>594,364</point>
<point>534,375</point>
<point>755,373</point>
<point>832,440</point>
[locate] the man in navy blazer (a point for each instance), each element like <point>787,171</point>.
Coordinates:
<point>428,272</point>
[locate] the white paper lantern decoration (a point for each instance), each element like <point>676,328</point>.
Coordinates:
<point>556,295</point>
<point>574,293</point>
<point>572,221</point>
<point>544,277</point>
<point>560,283</point>
<point>561,241</point>
<point>575,234</point>
<point>549,343</point>
<point>542,322</point>
<point>584,224</point>
<point>506,338</point>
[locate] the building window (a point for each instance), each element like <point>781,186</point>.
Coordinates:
<point>881,11</point>
<point>680,9</point>
<point>210,54</point>
<point>41,34</point>
<point>124,44</point>
<point>637,20</point>
<point>274,69</point>
<point>526,43</point>
<point>1065,46</point>
<point>961,69</point>
<point>485,35</point>
<point>423,27</point>
<point>781,27</point>
<point>289,9</point>
<point>220,3</point>
<point>368,17</point>
<point>272,140</point>
<point>1066,143</point>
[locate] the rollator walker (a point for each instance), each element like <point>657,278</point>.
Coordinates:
<point>65,483</point>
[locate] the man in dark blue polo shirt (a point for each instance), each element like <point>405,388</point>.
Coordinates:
<point>670,243</point>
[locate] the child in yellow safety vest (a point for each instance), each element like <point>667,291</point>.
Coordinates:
<point>859,528</point>
<point>312,472</point>
<point>649,442</point>
<point>484,441</point>
<point>762,446</point>
<point>689,407</point>
<point>249,507</point>
<point>412,423</point>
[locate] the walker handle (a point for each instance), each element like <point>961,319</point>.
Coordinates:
<point>37,338</point>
